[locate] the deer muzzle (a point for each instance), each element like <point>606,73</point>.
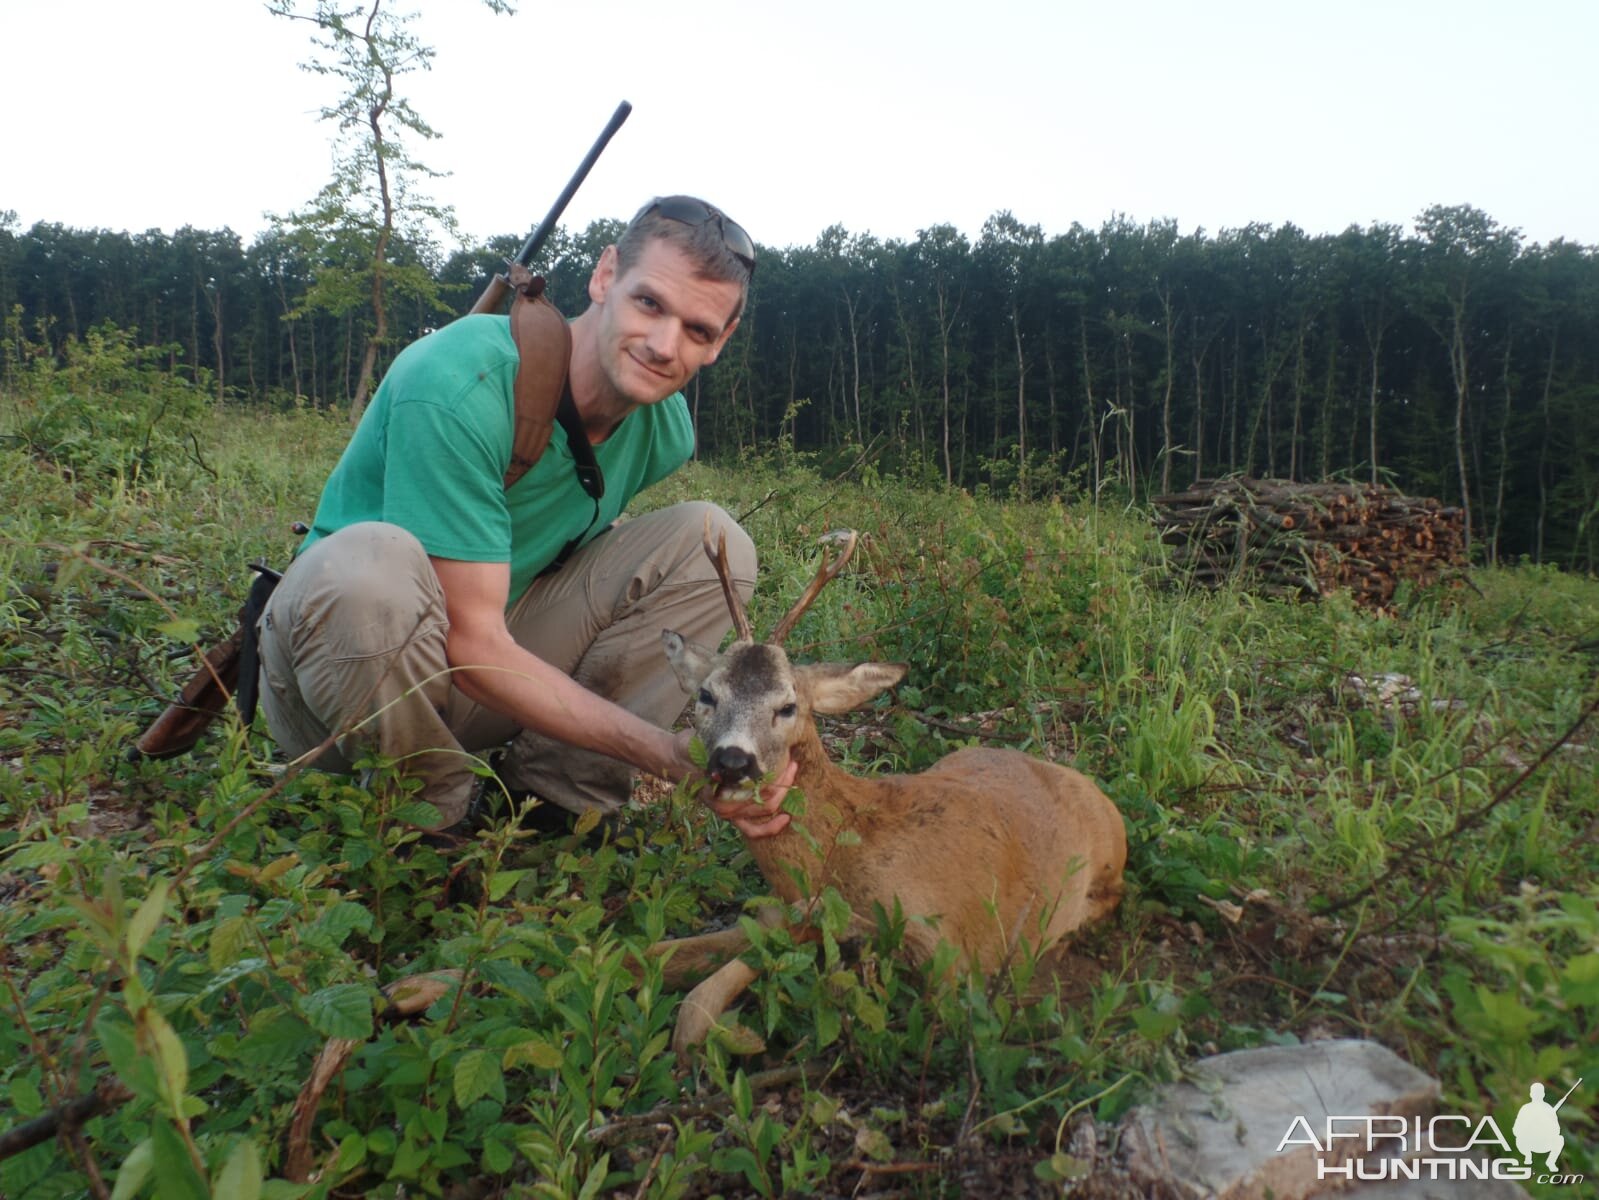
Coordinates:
<point>731,765</point>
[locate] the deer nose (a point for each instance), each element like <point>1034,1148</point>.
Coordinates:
<point>731,763</point>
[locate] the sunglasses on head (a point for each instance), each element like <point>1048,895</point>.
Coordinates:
<point>696,212</point>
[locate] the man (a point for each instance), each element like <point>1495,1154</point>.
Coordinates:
<point>428,616</point>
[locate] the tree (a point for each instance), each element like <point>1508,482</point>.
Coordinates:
<point>1009,253</point>
<point>1464,246</point>
<point>375,194</point>
<point>1370,271</point>
<point>943,253</point>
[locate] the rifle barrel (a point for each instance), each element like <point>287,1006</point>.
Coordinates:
<point>545,227</point>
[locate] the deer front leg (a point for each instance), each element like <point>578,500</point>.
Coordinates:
<point>692,958</point>
<point>704,1006</point>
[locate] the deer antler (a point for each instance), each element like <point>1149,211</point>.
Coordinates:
<point>824,575</point>
<point>717,553</point>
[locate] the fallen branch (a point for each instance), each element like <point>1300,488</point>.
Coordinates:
<point>407,997</point>
<point>619,1129</point>
<point>108,1094</point>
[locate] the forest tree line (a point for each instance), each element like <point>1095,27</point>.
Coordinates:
<point>1453,359</point>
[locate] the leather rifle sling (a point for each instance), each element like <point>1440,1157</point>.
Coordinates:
<point>544,353</point>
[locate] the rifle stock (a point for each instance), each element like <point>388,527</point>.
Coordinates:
<point>493,297</point>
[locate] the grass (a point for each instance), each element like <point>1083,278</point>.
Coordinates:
<point>1306,860</point>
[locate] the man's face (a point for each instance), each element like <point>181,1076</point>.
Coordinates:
<point>660,322</point>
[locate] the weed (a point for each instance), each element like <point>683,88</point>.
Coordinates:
<point>191,934</point>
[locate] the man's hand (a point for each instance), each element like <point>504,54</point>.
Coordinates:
<point>763,818</point>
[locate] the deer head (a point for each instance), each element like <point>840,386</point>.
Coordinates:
<point>751,705</point>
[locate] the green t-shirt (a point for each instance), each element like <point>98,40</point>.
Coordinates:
<point>431,451</point>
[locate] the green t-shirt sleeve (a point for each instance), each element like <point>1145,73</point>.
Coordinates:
<point>444,482</point>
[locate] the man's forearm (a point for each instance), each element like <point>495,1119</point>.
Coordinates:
<point>508,679</point>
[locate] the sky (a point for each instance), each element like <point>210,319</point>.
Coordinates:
<point>882,116</point>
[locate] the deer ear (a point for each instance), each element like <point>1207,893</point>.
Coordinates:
<point>691,662</point>
<point>837,687</point>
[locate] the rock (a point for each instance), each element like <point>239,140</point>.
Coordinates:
<point>1217,1134</point>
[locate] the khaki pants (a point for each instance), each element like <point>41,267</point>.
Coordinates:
<point>355,633</point>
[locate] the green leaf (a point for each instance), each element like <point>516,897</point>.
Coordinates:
<point>1153,1025</point>
<point>743,1161</point>
<point>157,1039</point>
<point>175,1176</point>
<point>146,918</point>
<point>25,1097</point>
<point>737,1038</point>
<point>419,813</point>
<point>227,976</point>
<point>37,854</point>
<point>874,1143</point>
<point>594,1182</point>
<point>1579,982</point>
<point>228,940</point>
<point>824,1109</point>
<point>352,1153</point>
<point>121,1046</point>
<point>275,1037</point>
<point>869,1012</point>
<point>1061,1168</point>
<point>343,1010</point>
<point>498,1158</point>
<point>241,1174</point>
<point>743,1097</point>
<point>502,882</point>
<point>342,919</point>
<point>535,1052</point>
<point>829,1024</point>
<point>1506,1013</point>
<point>135,1169</point>
<point>477,1074</point>
<point>183,629</point>
<point>835,912</point>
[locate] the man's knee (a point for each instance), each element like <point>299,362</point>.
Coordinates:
<point>368,560</point>
<point>691,516</point>
<point>360,591</point>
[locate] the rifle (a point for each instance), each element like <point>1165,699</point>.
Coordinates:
<point>544,350</point>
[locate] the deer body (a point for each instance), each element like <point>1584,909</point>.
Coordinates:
<point>987,847</point>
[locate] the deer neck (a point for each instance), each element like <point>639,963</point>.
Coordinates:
<point>832,797</point>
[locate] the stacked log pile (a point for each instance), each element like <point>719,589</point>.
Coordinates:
<point>1309,539</point>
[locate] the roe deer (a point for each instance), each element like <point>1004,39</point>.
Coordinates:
<point>989,846</point>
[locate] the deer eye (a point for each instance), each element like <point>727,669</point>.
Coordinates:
<point>706,698</point>
<point>788,710</point>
